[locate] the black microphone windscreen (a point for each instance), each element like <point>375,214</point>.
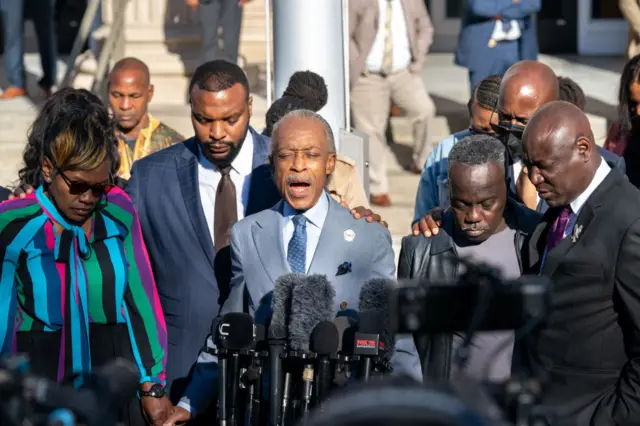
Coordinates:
<point>371,322</point>
<point>346,327</point>
<point>325,339</point>
<point>261,333</point>
<point>236,331</point>
<point>281,304</point>
<point>312,302</point>
<point>374,296</point>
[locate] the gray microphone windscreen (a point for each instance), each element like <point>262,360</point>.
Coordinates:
<point>312,302</point>
<point>374,296</point>
<point>281,304</point>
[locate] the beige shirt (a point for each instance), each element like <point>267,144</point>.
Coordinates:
<point>344,184</point>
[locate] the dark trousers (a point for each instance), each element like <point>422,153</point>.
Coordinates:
<point>42,14</point>
<point>225,15</point>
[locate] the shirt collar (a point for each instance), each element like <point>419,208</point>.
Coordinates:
<point>601,173</point>
<point>316,215</point>
<point>242,164</point>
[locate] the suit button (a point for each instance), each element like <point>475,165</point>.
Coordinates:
<point>492,43</point>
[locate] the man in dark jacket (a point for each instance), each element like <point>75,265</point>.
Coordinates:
<point>482,225</point>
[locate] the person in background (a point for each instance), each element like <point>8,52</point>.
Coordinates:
<point>12,17</point>
<point>570,92</point>
<point>494,35</point>
<point>631,11</point>
<point>216,15</point>
<point>433,188</point>
<point>307,90</point>
<point>623,138</point>
<point>482,225</point>
<point>78,289</point>
<point>139,133</point>
<point>388,45</point>
<point>304,233</point>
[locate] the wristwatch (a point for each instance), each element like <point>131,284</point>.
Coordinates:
<point>155,391</point>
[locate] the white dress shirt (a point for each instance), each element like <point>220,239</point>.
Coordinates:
<point>499,34</point>
<point>399,36</point>
<point>209,177</point>
<point>578,203</point>
<point>316,216</point>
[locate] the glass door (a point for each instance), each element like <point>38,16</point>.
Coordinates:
<point>602,30</point>
<point>445,17</point>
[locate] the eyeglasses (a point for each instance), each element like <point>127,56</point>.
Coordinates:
<point>78,188</point>
<point>507,126</point>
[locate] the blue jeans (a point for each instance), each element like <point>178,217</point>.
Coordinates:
<point>13,25</point>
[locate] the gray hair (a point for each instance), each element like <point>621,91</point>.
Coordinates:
<point>309,115</point>
<point>477,150</point>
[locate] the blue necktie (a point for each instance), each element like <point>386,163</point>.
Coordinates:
<point>297,250</point>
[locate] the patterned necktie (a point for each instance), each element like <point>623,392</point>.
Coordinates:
<point>226,210</point>
<point>387,57</point>
<point>556,234</point>
<point>297,249</point>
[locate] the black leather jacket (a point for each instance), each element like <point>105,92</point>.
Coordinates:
<point>431,258</point>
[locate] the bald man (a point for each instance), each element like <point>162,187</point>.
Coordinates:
<point>588,242</point>
<point>139,134</point>
<point>526,87</point>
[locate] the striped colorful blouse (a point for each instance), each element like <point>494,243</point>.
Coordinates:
<point>65,282</point>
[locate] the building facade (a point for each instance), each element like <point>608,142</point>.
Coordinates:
<point>584,27</point>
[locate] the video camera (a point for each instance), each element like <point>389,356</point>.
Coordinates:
<point>480,299</point>
<point>28,399</point>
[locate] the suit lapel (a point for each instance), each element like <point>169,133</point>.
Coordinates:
<point>581,227</point>
<point>324,259</point>
<point>267,233</point>
<point>187,169</point>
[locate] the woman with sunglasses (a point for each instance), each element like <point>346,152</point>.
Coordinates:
<point>76,288</point>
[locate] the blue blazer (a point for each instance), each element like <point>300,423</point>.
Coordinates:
<point>164,190</point>
<point>258,259</point>
<point>473,51</point>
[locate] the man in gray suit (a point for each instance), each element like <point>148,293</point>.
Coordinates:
<point>306,232</point>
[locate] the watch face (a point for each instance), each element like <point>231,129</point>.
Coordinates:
<point>156,391</point>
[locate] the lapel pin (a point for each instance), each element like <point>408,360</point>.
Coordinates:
<point>577,230</point>
<point>349,235</point>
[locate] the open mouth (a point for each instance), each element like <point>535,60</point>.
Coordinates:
<point>299,189</point>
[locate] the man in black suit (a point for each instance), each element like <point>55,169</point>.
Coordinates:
<point>588,242</point>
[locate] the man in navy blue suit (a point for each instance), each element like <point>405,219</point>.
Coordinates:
<point>496,34</point>
<point>188,197</point>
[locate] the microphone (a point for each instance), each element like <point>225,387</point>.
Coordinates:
<point>346,327</point>
<point>367,341</point>
<point>236,333</point>
<point>374,296</point>
<point>325,342</point>
<point>252,379</point>
<point>277,336</point>
<point>312,302</point>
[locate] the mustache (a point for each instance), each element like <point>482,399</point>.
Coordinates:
<point>227,143</point>
<point>297,179</point>
<point>474,228</point>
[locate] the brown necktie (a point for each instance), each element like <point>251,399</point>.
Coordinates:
<point>226,210</point>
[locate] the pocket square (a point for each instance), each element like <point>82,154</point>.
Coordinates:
<point>344,268</point>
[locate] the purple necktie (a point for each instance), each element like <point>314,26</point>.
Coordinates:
<point>556,234</point>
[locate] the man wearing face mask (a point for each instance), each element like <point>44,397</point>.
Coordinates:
<point>526,87</point>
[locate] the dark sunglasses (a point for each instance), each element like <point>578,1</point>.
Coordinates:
<point>78,188</point>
